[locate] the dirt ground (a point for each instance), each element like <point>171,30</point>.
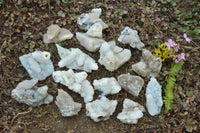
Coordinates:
<point>22,29</point>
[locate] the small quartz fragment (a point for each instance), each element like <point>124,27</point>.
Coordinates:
<point>129,36</point>
<point>132,84</point>
<point>76,82</point>
<point>131,112</point>
<point>26,92</point>
<point>66,104</point>
<point>149,65</point>
<point>56,34</point>
<point>154,97</point>
<point>107,86</point>
<point>38,64</point>
<point>112,56</point>
<point>101,109</point>
<point>85,21</point>
<point>74,58</point>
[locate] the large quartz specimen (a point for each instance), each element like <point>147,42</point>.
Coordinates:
<point>38,64</point>
<point>154,97</point>
<point>74,58</point>
<point>26,92</point>
<point>76,82</point>
<point>129,36</point>
<point>132,84</point>
<point>112,56</point>
<point>131,112</point>
<point>86,20</point>
<point>107,86</point>
<point>101,109</point>
<point>149,65</point>
<point>66,104</point>
<point>56,34</point>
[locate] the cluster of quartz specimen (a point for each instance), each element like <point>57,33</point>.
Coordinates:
<point>154,97</point>
<point>131,112</point>
<point>149,65</point>
<point>112,56</point>
<point>107,86</point>
<point>132,84</point>
<point>66,104</point>
<point>129,36</point>
<point>26,92</point>
<point>56,34</point>
<point>101,109</point>
<point>76,82</point>
<point>85,21</point>
<point>37,64</point>
<point>92,39</point>
<point>74,58</point>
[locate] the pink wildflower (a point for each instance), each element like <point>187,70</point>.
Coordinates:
<point>171,44</point>
<point>186,38</point>
<point>179,57</point>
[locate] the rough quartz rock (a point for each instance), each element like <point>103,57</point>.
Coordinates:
<point>95,30</point>
<point>56,34</point>
<point>131,112</point>
<point>149,65</point>
<point>112,56</point>
<point>37,64</point>
<point>26,92</point>
<point>74,58</point>
<point>132,84</point>
<point>129,36</point>
<point>107,86</point>
<point>89,43</point>
<point>101,109</point>
<point>154,97</point>
<point>85,21</point>
<point>76,82</point>
<point>66,104</point>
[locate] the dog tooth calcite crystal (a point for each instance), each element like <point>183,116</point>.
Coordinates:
<point>76,82</point>
<point>26,92</point>
<point>66,104</point>
<point>74,58</point>
<point>101,109</point>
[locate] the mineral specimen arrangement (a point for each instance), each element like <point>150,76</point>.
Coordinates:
<point>79,64</point>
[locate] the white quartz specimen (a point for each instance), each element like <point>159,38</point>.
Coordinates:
<point>74,58</point>
<point>85,21</point>
<point>101,109</point>
<point>26,92</point>
<point>37,64</point>
<point>129,36</point>
<point>76,82</point>
<point>89,43</point>
<point>107,86</point>
<point>112,56</point>
<point>132,84</point>
<point>95,30</point>
<point>149,65</point>
<point>154,97</point>
<point>131,112</point>
<point>66,104</point>
<point>56,34</point>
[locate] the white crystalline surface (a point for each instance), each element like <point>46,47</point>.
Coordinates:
<point>85,21</point>
<point>154,97</point>
<point>131,112</point>
<point>74,58</point>
<point>149,65</point>
<point>76,82</point>
<point>66,104</point>
<point>107,86</point>
<point>112,56</point>
<point>26,92</point>
<point>37,64</point>
<point>129,36</point>
<point>56,34</point>
<point>95,30</point>
<point>101,109</point>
